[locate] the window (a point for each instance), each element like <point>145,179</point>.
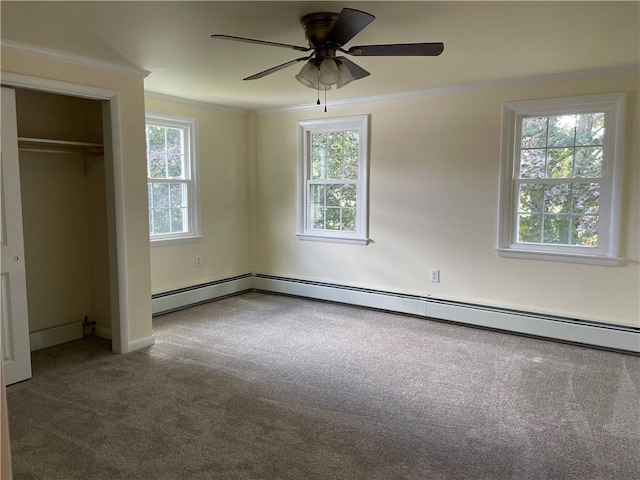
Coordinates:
<point>171,174</point>
<point>561,179</point>
<point>333,180</point>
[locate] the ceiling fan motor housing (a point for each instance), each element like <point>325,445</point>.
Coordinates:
<point>316,26</point>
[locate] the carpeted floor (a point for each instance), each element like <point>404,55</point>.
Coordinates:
<point>269,387</point>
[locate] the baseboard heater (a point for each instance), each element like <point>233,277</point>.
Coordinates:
<point>176,299</point>
<point>605,335</point>
<point>598,334</point>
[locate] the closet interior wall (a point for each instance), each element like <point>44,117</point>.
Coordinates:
<point>63,210</point>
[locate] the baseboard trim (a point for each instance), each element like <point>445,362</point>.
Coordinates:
<point>184,297</point>
<point>140,343</point>
<point>55,336</point>
<point>603,335</point>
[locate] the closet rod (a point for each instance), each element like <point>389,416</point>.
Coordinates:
<point>49,141</point>
<point>44,145</point>
<point>63,151</point>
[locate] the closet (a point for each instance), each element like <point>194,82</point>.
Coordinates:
<point>64,216</point>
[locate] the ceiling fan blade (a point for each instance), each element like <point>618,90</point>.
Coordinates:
<point>357,71</point>
<point>261,42</point>
<point>398,50</point>
<point>276,68</point>
<point>349,23</point>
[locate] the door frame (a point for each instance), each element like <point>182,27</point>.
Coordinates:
<point>115,192</point>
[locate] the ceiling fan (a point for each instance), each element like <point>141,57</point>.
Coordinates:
<point>326,34</point>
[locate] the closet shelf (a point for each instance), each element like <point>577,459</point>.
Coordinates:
<point>45,145</point>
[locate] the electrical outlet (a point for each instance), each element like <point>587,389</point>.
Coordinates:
<point>434,275</point>
<point>198,261</point>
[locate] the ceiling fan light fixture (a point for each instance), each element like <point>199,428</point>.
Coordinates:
<point>329,72</point>
<point>308,76</point>
<point>344,76</point>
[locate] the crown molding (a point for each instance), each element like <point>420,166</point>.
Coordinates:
<point>578,75</point>
<point>198,103</point>
<point>72,58</point>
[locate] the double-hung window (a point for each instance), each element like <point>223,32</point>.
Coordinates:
<point>561,179</point>
<point>333,180</point>
<point>171,179</point>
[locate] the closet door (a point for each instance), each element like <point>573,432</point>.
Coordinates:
<point>14,333</point>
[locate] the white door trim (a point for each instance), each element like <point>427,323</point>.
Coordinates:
<point>120,328</point>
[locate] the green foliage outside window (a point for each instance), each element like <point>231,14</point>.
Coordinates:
<point>334,172</point>
<point>561,160</point>
<point>168,208</point>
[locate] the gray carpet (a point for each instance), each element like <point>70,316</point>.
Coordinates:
<point>269,387</point>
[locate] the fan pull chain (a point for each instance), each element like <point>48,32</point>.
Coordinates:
<point>318,83</point>
<point>325,99</point>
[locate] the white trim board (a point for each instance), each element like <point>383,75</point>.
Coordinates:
<point>73,58</point>
<point>469,87</point>
<point>55,336</point>
<point>111,124</point>
<point>185,297</point>
<point>547,326</point>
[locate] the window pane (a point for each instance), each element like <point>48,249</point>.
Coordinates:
<point>529,228</point>
<point>177,224</point>
<point>161,221</point>
<point>349,195</point>
<point>351,143</point>
<point>557,199</point>
<point>160,192</point>
<point>318,218</point>
<point>532,163</point>
<point>155,138</point>
<point>157,163</point>
<point>534,132</point>
<point>585,198</point>
<point>335,152</point>
<point>531,198</point>
<point>318,195</point>
<point>589,162</point>
<point>562,131</point>
<point>351,168</point>
<point>318,156</point>
<point>590,129</point>
<point>559,162</point>
<point>349,219</point>
<point>584,230</point>
<point>174,167</point>
<point>178,195</point>
<point>334,195</point>
<point>333,218</point>
<point>556,229</point>
<point>174,140</point>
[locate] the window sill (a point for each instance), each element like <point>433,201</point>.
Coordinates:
<point>333,239</point>
<point>560,257</point>
<point>163,242</point>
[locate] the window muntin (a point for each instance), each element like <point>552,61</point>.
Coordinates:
<point>561,178</point>
<point>171,178</point>
<point>333,167</point>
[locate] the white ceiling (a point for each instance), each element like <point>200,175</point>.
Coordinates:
<point>484,41</point>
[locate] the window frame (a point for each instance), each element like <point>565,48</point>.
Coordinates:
<point>610,198</point>
<point>189,126</point>
<point>305,129</point>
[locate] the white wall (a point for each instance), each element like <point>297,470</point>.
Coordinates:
<point>434,170</point>
<point>221,150</point>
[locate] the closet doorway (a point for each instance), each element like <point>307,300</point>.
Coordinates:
<point>63,189</point>
<point>69,215</point>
